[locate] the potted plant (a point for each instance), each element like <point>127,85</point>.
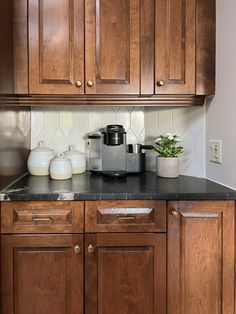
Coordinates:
<point>168,150</point>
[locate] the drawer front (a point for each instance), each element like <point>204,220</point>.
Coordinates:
<point>125,216</point>
<point>42,217</point>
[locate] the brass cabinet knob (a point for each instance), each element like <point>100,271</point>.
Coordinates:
<point>78,83</point>
<point>91,249</point>
<point>77,249</point>
<point>174,213</point>
<point>161,83</point>
<point>90,83</point>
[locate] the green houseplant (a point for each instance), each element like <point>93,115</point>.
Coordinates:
<point>168,149</point>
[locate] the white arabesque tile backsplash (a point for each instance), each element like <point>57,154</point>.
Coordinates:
<point>61,126</point>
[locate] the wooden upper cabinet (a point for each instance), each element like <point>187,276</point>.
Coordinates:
<point>201,237</point>
<point>115,47</point>
<point>112,46</point>
<point>175,47</point>
<point>56,46</point>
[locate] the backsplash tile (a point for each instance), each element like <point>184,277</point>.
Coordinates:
<point>61,126</point>
<point>189,124</point>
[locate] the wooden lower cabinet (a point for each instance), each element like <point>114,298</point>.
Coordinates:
<point>42,274</point>
<point>125,273</point>
<point>200,271</point>
<point>188,268</point>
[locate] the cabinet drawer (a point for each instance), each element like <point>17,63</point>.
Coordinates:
<point>125,216</point>
<point>42,217</point>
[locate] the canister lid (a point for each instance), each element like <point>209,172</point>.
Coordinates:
<point>72,151</point>
<point>41,148</point>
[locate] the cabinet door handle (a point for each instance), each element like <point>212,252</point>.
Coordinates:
<point>175,213</point>
<point>90,83</point>
<point>91,249</point>
<point>78,83</point>
<point>161,83</point>
<point>77,249</point>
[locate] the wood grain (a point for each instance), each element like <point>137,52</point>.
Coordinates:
<point>112,46</point>
<point>21,66</point>
<point>175,46</point>
<point>147,54</point>
<point>42,217</point>
<point>125,274</point>
<point>205,47</point>
<point>6,47</point>
<point>42,274</point>
<point>125,216</point>
<point>56,46</point>
<point>201,257</point>
<point>160,100</point>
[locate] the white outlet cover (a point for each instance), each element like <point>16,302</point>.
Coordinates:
<point>215,151</point>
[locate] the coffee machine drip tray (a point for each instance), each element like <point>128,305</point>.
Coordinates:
<point>115,174</point>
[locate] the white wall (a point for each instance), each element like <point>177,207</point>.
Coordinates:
<point>61,126</point>
<point>221,113</point>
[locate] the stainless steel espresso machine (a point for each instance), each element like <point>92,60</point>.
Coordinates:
<point>110,155</point>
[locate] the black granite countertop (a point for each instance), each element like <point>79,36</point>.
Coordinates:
<point>95,187</point>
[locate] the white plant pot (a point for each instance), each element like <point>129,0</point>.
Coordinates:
<point>167,167</point>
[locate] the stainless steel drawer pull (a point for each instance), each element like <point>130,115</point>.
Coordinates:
<point>127,217</point>
<point>35,218</point>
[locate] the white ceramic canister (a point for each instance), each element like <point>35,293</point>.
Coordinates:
<point>60,168</point>
<point>77,159</point>
<point>39,159</point>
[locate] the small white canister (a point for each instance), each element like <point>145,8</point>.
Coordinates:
<point>60,168</point>
<point>77,159</point>
<point>39,159</point>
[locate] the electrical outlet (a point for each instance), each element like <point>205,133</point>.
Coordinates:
<point>215,150</point>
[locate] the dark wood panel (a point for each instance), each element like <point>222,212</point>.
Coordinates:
<point>201,257</point>
<point>161,100</point>
<point>112,46</point>
<point>125,274</point>
<point>21,67</point>
<point>6,47</point>
<point>42,274</point>
<point>205,47</point>
<point>42,217</point>
<point>147,47</point>
<point>56,46</point>
<point>175,47</point>
<point>125,216</point>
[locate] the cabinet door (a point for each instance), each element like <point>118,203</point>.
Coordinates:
<point>125,273</point>
<point>42,274</point>
<point>112,44</point>
<point>201,257</point>
<point>175,47</point>
<point>56,46</point>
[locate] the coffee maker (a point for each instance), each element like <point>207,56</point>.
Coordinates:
<point>111,156</point>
